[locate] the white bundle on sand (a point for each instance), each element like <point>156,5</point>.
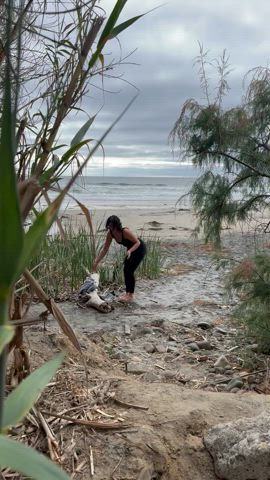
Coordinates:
<point>88,295</point>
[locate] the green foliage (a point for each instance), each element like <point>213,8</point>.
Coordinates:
<point>60,278</point>
<point>27,461</point>
<point>232,147</point>
<point>20,401</point>
<point>6,334</point>
<point>251,281</point>
<point>66,85</point>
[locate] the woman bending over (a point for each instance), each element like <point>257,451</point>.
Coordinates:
<point>136,251</point>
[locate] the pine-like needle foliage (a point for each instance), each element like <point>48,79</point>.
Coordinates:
<point>232,146</point>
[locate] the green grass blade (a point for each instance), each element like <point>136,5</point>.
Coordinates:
<point>81,133</point>
<point>11,233</point>
<point>110,24</point>
<point>28,462</point>
<point>36,233</point>
<point>6,334</point>
<point>21,400</point>
<point>123,26</point>
<point>75,147</point>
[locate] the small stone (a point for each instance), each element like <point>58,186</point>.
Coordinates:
<point>221,362</point>
<point>204,325</point>
<point>136,368</point>
<point>172,338</point>
<point>220,370</point>
<point>149,347</point>
<point>119,356</point>
<point>251,379</point>
<point>158,322</point>
<point>161,348</point>
<point>228,371</point>
<point>146,330</point>
<point>204,345</point>
<point>172,349</point>
<point>254,347</point>
<point>202,358</point>
<point>189,340</point>
<point>150,377</point>
<point>169,374</point>
<point>221,331</point>
<point>235,390</point>
<point>234,383</point>
<point>127,328</point>
<point>193,346</point>
<point>221,387</point>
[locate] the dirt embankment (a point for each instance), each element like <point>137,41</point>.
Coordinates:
<point>154,381</point>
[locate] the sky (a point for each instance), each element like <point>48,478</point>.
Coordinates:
<point>161,68</point>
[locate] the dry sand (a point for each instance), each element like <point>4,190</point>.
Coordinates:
<point>172,224</point>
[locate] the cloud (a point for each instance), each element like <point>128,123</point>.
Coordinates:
<point>167,42</point>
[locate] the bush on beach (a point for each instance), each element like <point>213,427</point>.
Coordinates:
<point>251,281</point>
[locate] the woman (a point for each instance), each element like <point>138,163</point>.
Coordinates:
<point>136,251</point>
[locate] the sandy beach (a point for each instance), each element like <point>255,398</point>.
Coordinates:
<point>166,224</point>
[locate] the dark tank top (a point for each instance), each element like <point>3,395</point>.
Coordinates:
<point>127,243</point>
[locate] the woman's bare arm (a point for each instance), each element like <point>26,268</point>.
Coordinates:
<point>103,251</point>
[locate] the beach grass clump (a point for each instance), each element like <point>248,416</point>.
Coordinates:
<point>61,264</point>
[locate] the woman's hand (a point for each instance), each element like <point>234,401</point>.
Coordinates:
<point>128,255</point>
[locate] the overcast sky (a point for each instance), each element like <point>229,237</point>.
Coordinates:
<point>167,42</point>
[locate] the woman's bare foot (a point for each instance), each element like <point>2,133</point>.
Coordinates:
<point>128,297</point>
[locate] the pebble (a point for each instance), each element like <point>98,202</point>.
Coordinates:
<point>204,325</point>
<point>119,356</point>
<point>251,379</point>
<point>172,349</point>
<point>254,347</point>
<point>221,362</point>
<point>149,347</point>
<point>136,368</point>
<point>169,374</point>
<point>204,345</point>
<point>220,330</point>
<point>150,377</point>
<point>161,348</point>
<point>234,383</point>
<point>146,330</point>
<point>193,346</point>
<point>220,370</point>
<point>235,390</point>
<point>202,358</point>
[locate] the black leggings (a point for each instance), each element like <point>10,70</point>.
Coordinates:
<point>130,266</point>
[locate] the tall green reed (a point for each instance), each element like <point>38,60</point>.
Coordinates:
<point>62,263</point>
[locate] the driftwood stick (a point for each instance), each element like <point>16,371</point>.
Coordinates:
<point>128,405</point>
<point>88,423</point>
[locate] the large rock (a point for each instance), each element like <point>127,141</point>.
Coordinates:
<point>241,449</point>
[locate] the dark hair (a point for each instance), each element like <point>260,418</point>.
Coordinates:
<point>114,222</point>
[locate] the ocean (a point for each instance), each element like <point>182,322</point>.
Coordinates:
<point>132,192</point>
<point>123,192</point>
